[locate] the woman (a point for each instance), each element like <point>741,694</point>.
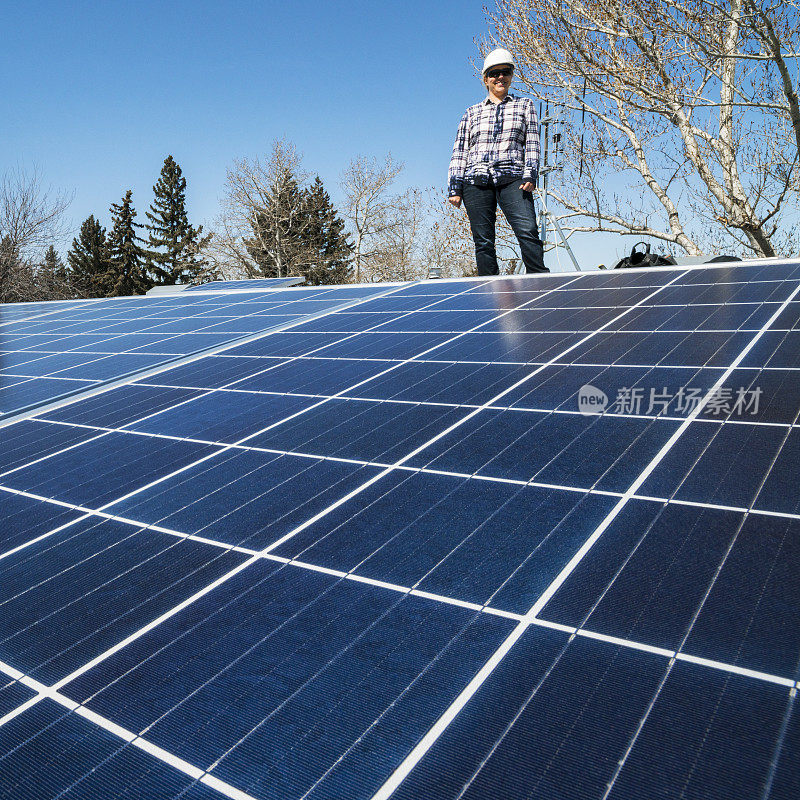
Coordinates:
<point>496,162</point>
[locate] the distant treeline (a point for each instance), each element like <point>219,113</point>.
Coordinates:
<point>275,220</point>
<point>293,228</point>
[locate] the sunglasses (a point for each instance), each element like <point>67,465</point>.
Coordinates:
<point>502,72</point>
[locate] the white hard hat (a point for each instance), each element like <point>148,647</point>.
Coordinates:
<point>498,56</point>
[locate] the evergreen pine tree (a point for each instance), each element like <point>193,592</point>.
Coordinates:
<point>126,258</point>
<point>52,277</point>
<point>299,232</point>
<point>88,260</point>
<point>52,273</point>
<point>175,245</point>
<point>330,248</point>
<point>52,261</point>
<point>278,244</point>
<point>53,265</point>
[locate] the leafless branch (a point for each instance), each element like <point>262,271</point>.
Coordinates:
<point>681,102</point>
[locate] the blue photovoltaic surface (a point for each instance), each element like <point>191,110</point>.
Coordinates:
<point>255,283</point>
<point>119,578</point>
<point>76,759</point>
<point>47,352</point>
<point>380,551</point>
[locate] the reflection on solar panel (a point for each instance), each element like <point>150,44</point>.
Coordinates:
<point>254,283</point>
<point>48,350</point>
<point>397,550</point>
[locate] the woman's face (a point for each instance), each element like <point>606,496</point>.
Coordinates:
<point>498,79</point>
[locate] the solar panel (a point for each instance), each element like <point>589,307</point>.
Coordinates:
<point>515,537</point>
<point>54,350</point>
<point>253,283</point>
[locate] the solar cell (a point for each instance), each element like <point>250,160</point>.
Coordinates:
<point>31,440</point>
<point>582,706</point>
<point>83,761</point>
<point>724,715</point>
<point>112,579</point>
<point>24,520</point>
<point>395,551</point>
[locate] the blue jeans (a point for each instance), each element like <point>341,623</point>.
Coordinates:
<point>481,204</point>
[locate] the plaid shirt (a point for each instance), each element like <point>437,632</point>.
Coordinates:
<point>495,142</point>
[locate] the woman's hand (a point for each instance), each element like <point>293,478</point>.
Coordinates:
<point>527,187</point>
<point>455,200</point>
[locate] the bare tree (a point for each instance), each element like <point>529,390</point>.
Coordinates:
<point>395,250</point>
<point>31,219</point>
<point>254,219</point>
<point>226,254</point>
<point>30,213</point>
<point>685,99</point>
<point>370,209</point>
<point>276,223</point>
<point>771,43</point>
<point>423,232</point>
<point>24,280</point>
<point>446,253</point>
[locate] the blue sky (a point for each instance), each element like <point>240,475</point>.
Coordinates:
<point>97,94</point>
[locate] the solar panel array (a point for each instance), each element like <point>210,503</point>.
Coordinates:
<point>389,552</point>
<point>48,350</point>
<point>252,283</point>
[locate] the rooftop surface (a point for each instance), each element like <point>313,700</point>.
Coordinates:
<point>515,537</point>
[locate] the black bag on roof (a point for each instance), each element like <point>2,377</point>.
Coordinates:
<point>644,258</point>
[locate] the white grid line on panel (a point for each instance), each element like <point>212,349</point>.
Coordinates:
<point>43,691</point>
<point>417,359</point>
<point>86,511</point>
<point>191,359</point>
<point>409,590</point>
<point>49,377</point>
<point>52,692</point>
<point>443,433</point>
<point>540,621</point>
<point>718,420</point>
<point>632,490</point>
<point>364,485</point>
<point>43,314</point>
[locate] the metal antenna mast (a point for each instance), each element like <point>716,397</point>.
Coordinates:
<point>550,132</point>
